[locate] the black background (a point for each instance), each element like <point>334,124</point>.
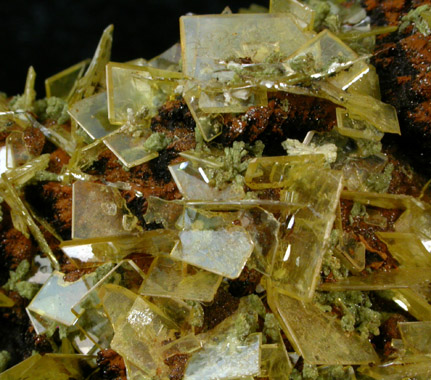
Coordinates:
<point>53,35</point>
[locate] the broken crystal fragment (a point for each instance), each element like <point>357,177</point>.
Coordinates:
<point>273,172</point>
<point>137,89</point>
<point>170,278</point>
<point>209,41</point>
<point>56,298</point>
<point>193,183</point>
<point>62,84</point>
<point>92,115</point>
<point>316,335</point>
<point>223,251</point>
<point>416,336</point>
<point>92,211</point>
<point>402,277</point>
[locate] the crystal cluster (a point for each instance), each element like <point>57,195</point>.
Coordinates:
<point>238,211</point>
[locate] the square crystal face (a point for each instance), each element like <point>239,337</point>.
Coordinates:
<point>62,84</point>
<point>56,298</point>
<point>226,359</point>
<point>140,89</point>
<point>193,183</point>
<point>128,148</point>
<point>326,54</point>
<point>355,128</point>
<point>98,211</point>
<point>224,251</point>
<point>208,42</point>
<point>92,115</point>
<point>171,278</point>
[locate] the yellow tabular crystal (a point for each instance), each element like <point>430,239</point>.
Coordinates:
<point>210,125</point>
<point>353,253</point>
<point>168,60</point>
<point>275,361</point>
<point>117,300</point>
<point>406,248</point>
<point>193,183</point>
<point>304,238</point>
<point>5,301</point>
<point>50,367</point>
<point>327,54</point>
<point>416,336</point>
<point>225,358</point>
<point>185,345</point>
<point>263,228</point>
<point>224,251</point>
<point>95,77</point>
<point>92,317</point>
<point>388,201</point>
<point>128,148</point>
<point>413,302</point>
<point>348,126</point>
<point>401,277</point>
<point>231,99</point>
<point>273,172</point>
<point>207,41</point>
<point>170,278</point>
<point>92,115</point>
<point>317,336</point>
<point>94,250</point>
<point>139,336</point>
<point>62,84</point>
<point>380,115</point>
<point>394,371</point>
<point>17,153</point>
<point>56,298</point>
<point>140,89</point>
<point>98,211</point>
<point>304,14</point>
